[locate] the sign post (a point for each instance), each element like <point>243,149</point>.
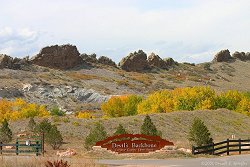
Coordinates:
<point>134,143</point>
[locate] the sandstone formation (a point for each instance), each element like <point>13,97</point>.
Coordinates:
<point>89,58</point>
<point>10,63</point>
<point>248,55</point>
<point>136,61</point>
<point>222,56</point>
<point>5,61</point>
<point>241,56</point>
<point>58,57</point>
<point>155,61</point>
<point>107,61</point>
<point>170,62</point>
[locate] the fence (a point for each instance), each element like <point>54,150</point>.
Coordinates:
<point>226,146</point>
<point>34,146</point>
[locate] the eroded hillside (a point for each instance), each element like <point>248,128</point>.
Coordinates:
<point>88,84</point>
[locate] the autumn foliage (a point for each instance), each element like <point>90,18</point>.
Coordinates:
<point>118,106</point>
<point>195,98</point>
<point>13,110</point>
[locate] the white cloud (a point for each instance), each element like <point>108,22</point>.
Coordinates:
<point>18,42</point>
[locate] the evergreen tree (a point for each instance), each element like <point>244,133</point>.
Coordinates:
<point>120,130</point>
<point>95,135</point>
<point>51,134</point>
<point>44,126</point>
<point>32,125</point>
<point>54,137</point>
<point>5,132</point>
<point>148,128</point>
<point>199,133</point>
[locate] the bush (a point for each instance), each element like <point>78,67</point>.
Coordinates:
<point>51,134</point>
<point>13,110</point>
<point>95,135</point>
<point>195,98</point>
<point>54,137</point>
<point>56,111</point>
<point>199,133</point>
<point>5,132</point>
<point>148,128</point>
<point>84,115</point>
<point>44,126</point>
<point>57,163</point>
<point>120,130</point>
<point>118,106</point>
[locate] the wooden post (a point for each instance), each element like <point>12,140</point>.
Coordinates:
<point>213,148</point>
<point>1,147</point>
<point>37,148</point>
<point>193,150</point>
<point>17,152</point>
<point>43,143</point>
<point>227,146</point>
<point>239,146</point>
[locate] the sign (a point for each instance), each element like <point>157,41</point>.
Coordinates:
<point>133,143</point>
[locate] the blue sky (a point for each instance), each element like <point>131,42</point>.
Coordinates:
<point>186,30</point>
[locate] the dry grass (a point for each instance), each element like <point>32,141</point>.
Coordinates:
<point>81,76</point>
<point>145,79</point>
<point>31,161</point>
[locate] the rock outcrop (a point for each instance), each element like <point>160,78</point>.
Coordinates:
<point>10,93</point>
<point>136,61</point>
<point>248,55</point>
<point>222,56</point>
<point>51,92</point>
<point>89,58</point>
<point>58,57</point>
<point>106,61</point>
<point>6,61</point>
<point>241,56</point>
<point>10,63</point>
<point>155,61</point>
<point>170,62</point>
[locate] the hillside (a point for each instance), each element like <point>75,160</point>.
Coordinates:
<point>85,86</point>
<point>174,126</point>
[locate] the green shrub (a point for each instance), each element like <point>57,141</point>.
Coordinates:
<point>52,136</point>
<point>57,111</point>
<point>148,127</point>
<point>95,135</point>
<point>44,126</point>
<point>247,94</point>
<point>5,132</point>
<point>120,130</point>
<point>199,133</point>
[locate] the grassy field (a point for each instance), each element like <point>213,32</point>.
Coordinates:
<point>175,126</point>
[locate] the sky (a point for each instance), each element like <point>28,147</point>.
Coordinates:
<point>186,30</point>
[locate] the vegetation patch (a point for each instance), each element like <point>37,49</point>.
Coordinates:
<point>195,98</point>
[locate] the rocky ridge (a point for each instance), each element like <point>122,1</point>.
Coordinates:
<point>136,61</point>
<point>155,61</point>
<point>59,57</point>
<point>13,63</point>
